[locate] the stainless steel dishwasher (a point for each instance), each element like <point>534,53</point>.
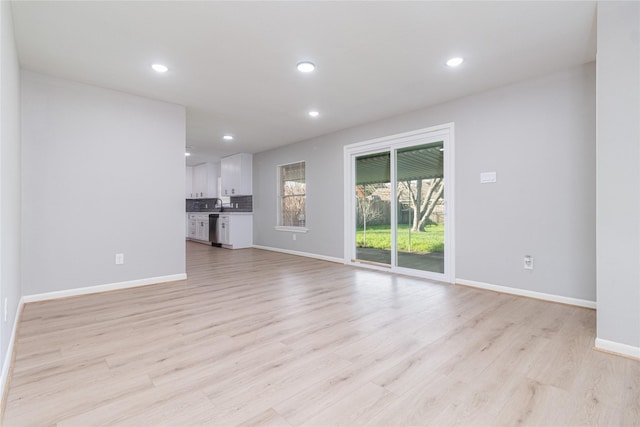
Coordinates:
<point>214,237</point>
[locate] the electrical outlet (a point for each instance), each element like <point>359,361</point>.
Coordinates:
<point>528,262</point>
<point>119,259</point>
<point>294,236</point>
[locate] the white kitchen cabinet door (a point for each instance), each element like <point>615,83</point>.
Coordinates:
<point>188,179</point>
<point>192,226</point>
<point>198,228</point>
<point>202,227</point>
<point>205,181</point>
<point>237,175</point>
<point>229,167</point>
<point>236,231</point>
<point>199,181</point>
<point>223,230</point>
<point>241,231</point>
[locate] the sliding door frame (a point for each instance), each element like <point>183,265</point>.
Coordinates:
<point>391,143</point>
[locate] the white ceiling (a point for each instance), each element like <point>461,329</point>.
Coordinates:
<point>232,64</point>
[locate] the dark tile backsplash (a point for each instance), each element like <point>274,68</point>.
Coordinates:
<point>244,203</point>
<point>200,205</point>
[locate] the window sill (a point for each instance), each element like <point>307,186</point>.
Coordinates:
<point>291,229</point>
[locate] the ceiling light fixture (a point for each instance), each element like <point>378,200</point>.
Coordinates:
<point>227,137</point>
<point>159,68</point>
<point>306,66</point>
<point>454,62</point>
<point>314,113</point>
<point>187,154</point>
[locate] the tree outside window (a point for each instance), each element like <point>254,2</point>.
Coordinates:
<point>292,194</point>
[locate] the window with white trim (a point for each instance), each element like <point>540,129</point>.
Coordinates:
<point>292,194</point>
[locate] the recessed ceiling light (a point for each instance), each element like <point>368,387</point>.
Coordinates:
<point>159,68</point>
<point>306,66</point>
<point>314,113</point>
<point>454,62</point>
<point>187,154</point>
<point>227,137</point>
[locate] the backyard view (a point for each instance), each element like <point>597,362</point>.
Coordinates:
<point>379,237</point>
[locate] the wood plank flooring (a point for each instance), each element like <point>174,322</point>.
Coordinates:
<point>262,338</point>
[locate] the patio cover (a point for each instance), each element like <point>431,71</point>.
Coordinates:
<point>422,162</point>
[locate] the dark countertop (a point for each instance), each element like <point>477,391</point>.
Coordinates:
<point>224,212</point>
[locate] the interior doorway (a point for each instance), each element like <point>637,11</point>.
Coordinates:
<point>398,196</point>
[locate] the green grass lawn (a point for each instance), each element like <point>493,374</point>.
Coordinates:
<point>379,236</point>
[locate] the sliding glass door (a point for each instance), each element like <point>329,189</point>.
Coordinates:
<point>420,202</point>
<point>372,208</point>
<point>398,205</point>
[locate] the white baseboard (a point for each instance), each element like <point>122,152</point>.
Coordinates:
<point>8,357</point>
<point>617,348</point>
<point>304,254</point>
<point>530,294</point>
<point>103,288</point>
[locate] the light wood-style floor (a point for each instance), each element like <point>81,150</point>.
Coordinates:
<point>262,338</point>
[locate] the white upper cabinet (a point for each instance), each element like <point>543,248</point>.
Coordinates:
<point>188,180</point>
<point>237,175</point>
<point>204,182</point>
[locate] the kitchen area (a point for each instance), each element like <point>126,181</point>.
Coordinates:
<point>219,202</point>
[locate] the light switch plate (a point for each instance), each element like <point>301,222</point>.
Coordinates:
<point>487,177</point>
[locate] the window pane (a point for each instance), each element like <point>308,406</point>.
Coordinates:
<point>293,211</point>
<point>293,172</point>
<point>292,195</point>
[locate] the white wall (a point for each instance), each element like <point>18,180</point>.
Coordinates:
<point>618,171</point>
<point>9,181</point>
<point>103,173</point>
<point>538,135</point>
